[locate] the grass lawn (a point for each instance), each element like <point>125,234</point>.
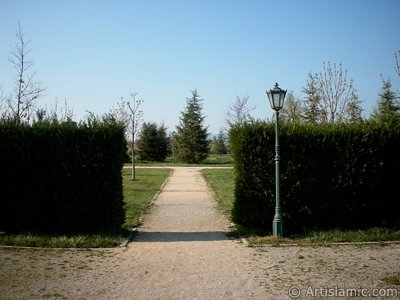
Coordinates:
<point>137,196</point>
<point>139,193</point>
<point>222,182</point>
<point>328,237</point>
<point>217,160</point>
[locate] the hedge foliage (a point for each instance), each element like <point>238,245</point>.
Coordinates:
<point>343,176</point>
<point>61,177</point>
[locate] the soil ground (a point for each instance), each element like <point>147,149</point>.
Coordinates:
<point>181,252</point>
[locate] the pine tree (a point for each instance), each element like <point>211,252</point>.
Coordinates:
<point>354,109</point>
<point>387,105</point>
<point>312,101</point>
<point>163,143</point>
<point>153,144</point>
<point>292,111</point>
<point>191,139</point>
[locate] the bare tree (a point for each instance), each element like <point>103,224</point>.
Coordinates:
<point>21,101</point>
<point>337,93</point>
<point>239,112</point>
<point>128,113</point>
<point>397,68</point>
<point>135,118</point>
<point>3,106</point>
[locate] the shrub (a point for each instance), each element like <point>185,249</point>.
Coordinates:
<point>342,176</point>
<point>61,177</point>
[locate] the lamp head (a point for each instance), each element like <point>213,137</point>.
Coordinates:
<point>276,97</point>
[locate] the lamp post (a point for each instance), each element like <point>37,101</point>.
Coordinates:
<point>276,98</point>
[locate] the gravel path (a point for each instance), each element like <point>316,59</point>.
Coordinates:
<point>181,252</point>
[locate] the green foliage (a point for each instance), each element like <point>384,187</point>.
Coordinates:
<point>312,107</point>
<point>217,145</point>
<point>191,140</point>
<point>388,108</point>
<point>101,240</point>
<point>138,194</point>
<point>222,183</point>
<point>153,145</point>
<point>292,111</point>
<point>61,177</point>
<point>393,279</point>
<point>328,237</point>
<point>342,176</point>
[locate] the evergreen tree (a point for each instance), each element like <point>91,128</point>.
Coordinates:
<point>312,101</point>
<point>163,142</point>
<point>191,139</point>
<point>217,145</point>
<point>387,107</point>
<point>354,109</point>
<point>292,111</point>
<point>153,144</point>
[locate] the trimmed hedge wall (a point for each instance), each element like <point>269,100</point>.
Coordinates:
<point>61,177</point>
<point>344,176</point>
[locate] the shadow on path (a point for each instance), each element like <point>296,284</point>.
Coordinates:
<point>180,236</point>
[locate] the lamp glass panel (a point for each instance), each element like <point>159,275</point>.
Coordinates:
<point>281,98</point>
<point>270,99</point>
<point>277,99</point>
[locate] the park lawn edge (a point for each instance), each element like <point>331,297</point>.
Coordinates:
<point>255,238</point>
<point>93,240</point>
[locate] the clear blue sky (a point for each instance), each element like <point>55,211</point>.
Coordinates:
<point>92,53</point>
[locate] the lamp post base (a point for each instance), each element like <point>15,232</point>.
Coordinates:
<point>277,228</point>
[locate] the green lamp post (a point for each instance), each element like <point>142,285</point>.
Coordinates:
<point>276,98</point>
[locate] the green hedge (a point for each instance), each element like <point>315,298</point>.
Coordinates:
<point>61,177</point>
<point>344,176</point>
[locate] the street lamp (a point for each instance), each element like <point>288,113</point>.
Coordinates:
<point>276,97</point>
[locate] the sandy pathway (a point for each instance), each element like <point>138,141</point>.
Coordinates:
<point>181,252</point>
<point>184,241</point>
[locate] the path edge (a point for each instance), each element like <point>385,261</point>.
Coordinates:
<point>129,239</point>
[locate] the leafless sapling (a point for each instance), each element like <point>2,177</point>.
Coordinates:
<point>27,90</point>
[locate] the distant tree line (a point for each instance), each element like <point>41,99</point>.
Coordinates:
<point>330,97</point>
